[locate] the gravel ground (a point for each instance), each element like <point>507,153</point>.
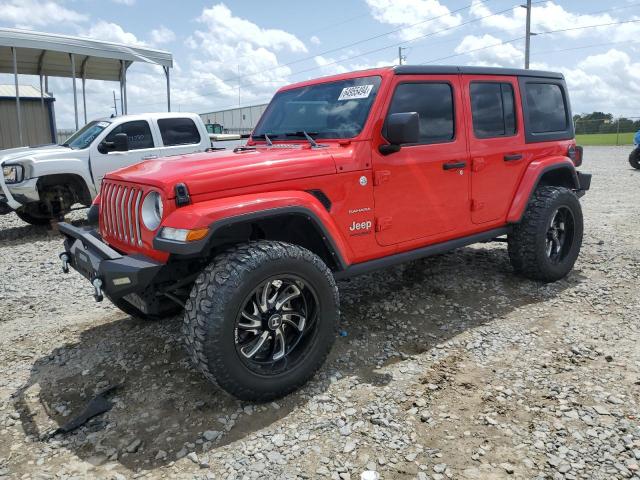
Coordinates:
<point>449,367</point>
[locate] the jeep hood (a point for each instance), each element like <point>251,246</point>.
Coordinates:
<point>225,170</point>
<point>45,152</point>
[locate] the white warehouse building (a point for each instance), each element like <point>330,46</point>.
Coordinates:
<point>240,120</point>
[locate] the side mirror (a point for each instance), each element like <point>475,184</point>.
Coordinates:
<point>121,142</point>
<point>402,128</point>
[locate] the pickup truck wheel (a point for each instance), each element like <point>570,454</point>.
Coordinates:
<point>634,158</point>
<point>32,219</point>
<point>261,319</point>
<point>546,243</point>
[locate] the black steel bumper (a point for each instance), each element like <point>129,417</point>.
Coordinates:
<point>108,271</point>
<point>584,181</point>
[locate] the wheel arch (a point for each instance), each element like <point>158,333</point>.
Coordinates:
<point>556,171</point>
<point>78,184</point>
<point>293,224</point>
<point>297,217</point>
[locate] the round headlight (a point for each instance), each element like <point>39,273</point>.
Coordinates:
<point>152,210</point>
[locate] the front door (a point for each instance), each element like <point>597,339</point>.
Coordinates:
<point>422,191</point>
<point>141,147</point>
<point>498,158</point>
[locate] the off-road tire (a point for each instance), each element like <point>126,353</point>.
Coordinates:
<point>527,242</point>
<point>634,158</point>
<point>134,312</point>
<point>32,219</point>
<point>217,298</point>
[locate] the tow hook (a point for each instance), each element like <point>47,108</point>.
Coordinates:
<point>97,286</point>
<point>65,262</point>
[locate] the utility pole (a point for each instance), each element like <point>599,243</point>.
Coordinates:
<point>527,48</point>
<point>115,104</point>
<point>401,57</point>
<point>238,85</point>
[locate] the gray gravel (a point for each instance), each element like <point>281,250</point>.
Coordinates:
<point>450,367</point>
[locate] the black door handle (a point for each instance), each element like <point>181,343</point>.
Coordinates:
<point>453,165</point>
<point>513,158</point>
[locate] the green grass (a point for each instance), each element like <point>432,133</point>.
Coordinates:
<point>605,139</point>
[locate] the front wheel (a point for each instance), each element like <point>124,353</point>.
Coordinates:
<point>546,243</point>
<point>261,319</point>
<point>31,218</point>
<point>634,158</point>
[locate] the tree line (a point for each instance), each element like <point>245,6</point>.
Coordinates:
<point>600,122</point>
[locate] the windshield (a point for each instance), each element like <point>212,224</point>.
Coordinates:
<point>87,134</point>
<point>326,110</point>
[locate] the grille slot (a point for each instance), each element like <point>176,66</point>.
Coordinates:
<point>120,212</point>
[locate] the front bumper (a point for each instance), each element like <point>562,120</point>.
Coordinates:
<point>110,272</point>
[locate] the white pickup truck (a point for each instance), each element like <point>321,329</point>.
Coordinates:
<point>43,183</point>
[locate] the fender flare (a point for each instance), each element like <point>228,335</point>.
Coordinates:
<point>224,212</point>
<point>530,180</point>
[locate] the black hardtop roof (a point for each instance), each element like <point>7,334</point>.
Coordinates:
<point>456,70</point>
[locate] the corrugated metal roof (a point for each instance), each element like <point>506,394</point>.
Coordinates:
<point>26,91</point>
<point>48,53</point>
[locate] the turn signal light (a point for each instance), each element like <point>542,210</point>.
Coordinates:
<point>183,234</point>
<point>575,154</point>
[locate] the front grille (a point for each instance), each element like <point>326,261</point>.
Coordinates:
<point>120,212</point>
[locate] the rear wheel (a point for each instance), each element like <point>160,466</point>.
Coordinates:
<point>634,158</point>
<point>546,243</point>
<point>261,319</point>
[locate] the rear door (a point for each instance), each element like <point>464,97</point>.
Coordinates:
<point>497,149</point>
<point>422,191</point>
<point>179,136</point>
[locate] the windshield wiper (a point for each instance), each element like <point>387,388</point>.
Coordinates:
<point>306,135</point>
<point>266,138</point>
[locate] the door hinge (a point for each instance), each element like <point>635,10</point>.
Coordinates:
<point>478,164</point>
<point>476,205</point>
<point>383,223</point>
<point>380,177</point>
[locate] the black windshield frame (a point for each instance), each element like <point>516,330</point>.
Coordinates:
<point>313,108</point>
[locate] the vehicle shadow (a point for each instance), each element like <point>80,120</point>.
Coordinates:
<point>24,233</point>
<point>163,406</point>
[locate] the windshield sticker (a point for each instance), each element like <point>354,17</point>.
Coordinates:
<point>352,93</point>
<point>102,124</point>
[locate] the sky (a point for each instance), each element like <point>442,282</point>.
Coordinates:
<point>234,53</point>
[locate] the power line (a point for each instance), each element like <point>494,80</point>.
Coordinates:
<point>368,39</point>
<point>358,55</point>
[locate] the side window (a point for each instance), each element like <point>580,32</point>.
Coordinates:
<point>178,131</point>
<point>138,132</point>
<point>547,108</point>
<point>434,104</point>
<point>492,109</point>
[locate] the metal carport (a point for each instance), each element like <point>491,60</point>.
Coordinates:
<point>50,55</point>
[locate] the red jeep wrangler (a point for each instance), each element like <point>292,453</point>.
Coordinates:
<point>342,175</point>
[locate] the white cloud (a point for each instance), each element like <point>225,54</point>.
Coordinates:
<point>227,46</point>
<point>593,87</point>
<point>225,27</point>
<point>162,35</point>
<point>36,13</point>
<point>128,3</point>
<point>112,32</point>
<point>551,17</point>
<point>495,55</point>
<point>315,40</point>
<point>417,16</point>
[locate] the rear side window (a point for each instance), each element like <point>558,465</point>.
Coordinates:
<point>547,108</point>
<point>433,102</point>
<point>493,109</point>
<point>138,133</point>
<point>178,131</point>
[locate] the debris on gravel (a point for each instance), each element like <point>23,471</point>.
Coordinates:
<point>438,375</point>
